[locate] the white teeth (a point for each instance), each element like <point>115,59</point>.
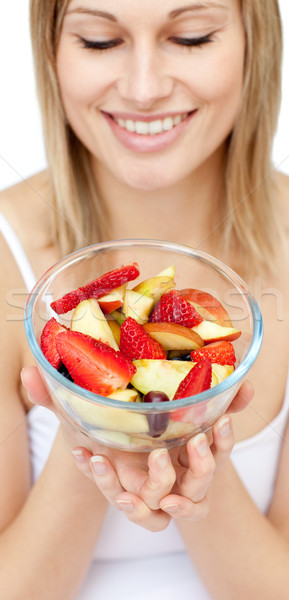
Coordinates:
<point>155,127</point>
<point>151,127</point>
<point>168,123</point>
<point>129,125</point>
<point>142,127</point>
<point>177,119</point>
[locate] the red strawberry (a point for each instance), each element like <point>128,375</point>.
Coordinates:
<point>221,352</point>
<point>173,308</point>
<point>92,364</point>
<point>97,288</point>
<point>136,343</point>
<point>196,381</point>
<point>47,341</point>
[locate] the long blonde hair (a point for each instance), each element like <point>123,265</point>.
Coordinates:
<point>249,219</point>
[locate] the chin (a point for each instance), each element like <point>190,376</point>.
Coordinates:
<point>150,180</point>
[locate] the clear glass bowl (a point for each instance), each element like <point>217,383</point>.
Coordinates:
<point>132,425</point>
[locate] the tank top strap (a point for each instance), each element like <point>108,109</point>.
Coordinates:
<point>18,252</point>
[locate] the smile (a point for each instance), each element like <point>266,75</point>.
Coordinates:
<point>151,127</point>
<point>147,134</point>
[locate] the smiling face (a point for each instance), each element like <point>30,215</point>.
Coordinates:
<point>152,89</point>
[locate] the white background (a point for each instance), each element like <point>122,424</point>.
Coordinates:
<point>21,146</point>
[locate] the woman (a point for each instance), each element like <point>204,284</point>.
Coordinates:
<point>155,127</point>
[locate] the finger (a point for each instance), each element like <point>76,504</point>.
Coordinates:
<point>82,457</point>
<point>139,513</point>
<point>243,398</point>
<point>183,508</point>
<point>35,387</point>
<point>223,440</point>
<point>197,478</point>
<point>105,477</point>
<point>160,480</point>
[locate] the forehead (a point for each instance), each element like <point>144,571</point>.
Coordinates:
<point>170,9</point>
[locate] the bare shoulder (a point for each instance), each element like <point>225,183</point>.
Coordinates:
<point>26,206</point>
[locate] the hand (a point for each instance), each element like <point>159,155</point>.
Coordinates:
<point>143,492</point>
<point>151,488</point>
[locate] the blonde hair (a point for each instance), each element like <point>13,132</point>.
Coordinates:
<point>249,218</point>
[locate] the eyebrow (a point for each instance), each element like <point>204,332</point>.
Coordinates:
<point>172,15</point>
<point>93,12</point>
<point>196,6</point>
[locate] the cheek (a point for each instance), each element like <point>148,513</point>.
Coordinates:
<point>220,81</point>
<point>82,83</point>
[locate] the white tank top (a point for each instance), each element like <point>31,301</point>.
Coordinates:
<point>129,562</point>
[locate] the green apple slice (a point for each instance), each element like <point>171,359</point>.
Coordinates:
<point>88,318</point>
<point>137,306</point>
<point>160,375</point>
<point>221,372</point>
<point>156,286</point>
<point>88,415</point>
<point>210,331</point>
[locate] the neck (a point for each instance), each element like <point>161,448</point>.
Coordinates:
<point>186,212</point>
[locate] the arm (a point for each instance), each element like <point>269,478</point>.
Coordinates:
<point>238,552</point>
<point>48,532</point>
<point>50,541</point>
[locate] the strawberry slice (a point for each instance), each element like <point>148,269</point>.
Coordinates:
<point>198,380</point>
<point>173,308</point>
<point>136,343</point>
<point>221,352</point>
<point>92,364</point>
<point>47,341</point>
<point>97,288</point>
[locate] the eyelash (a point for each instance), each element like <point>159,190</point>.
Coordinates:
<point>181,41</point>
<point>102,46</point>
<point>192,42</point>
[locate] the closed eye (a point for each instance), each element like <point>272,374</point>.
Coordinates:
<point>100,45</point>
<point>191,42</point>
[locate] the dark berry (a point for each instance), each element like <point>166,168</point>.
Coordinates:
<point>64,371</point>
<point>158,422</point>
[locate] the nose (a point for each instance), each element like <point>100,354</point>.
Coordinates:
<point>145,78</point>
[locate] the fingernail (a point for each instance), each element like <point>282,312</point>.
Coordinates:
<point>201,445</point>
<point>161,457</point>
<point>125,505</point>
<point>224,427</point>
<point>79,456</point>
<point>98,464</point>
<point>171,508</point>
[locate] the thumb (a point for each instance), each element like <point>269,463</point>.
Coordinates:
<point>35,387</point>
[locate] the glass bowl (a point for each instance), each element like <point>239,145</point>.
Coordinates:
<point>139,426</point>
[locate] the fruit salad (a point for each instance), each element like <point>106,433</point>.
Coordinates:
<point>148,343</point>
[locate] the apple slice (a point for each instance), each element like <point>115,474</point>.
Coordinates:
<point>88,318</point>
<point>221,372</point>
<point>156,286</point>
<point>104,417</point>
<point>207,306</point>
<point>115,329</point>
<point>128,395</point>
<point>137,306</point>
<point>112,301</point>
<point>174,337</point>
<point>211,331</point>
<point>160,375</point>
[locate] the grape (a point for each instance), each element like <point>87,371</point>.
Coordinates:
<point>157,422</point>
<point>64,371</point>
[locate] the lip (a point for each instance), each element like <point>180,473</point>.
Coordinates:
<point>147,143</point>
<point>145,118</point>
